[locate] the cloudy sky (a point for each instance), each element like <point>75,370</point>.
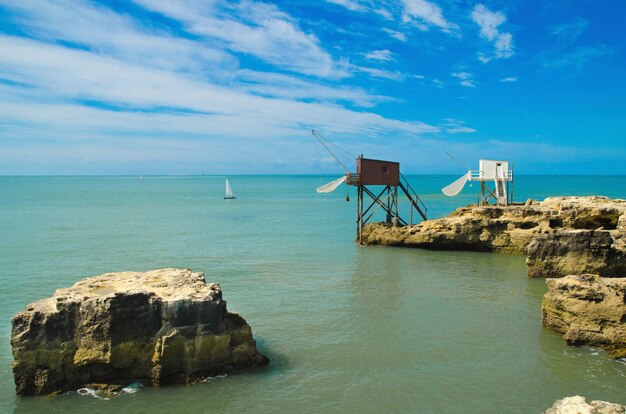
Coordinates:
<point>192,86</point>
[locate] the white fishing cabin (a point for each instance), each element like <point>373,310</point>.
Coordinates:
<point>489,171</point>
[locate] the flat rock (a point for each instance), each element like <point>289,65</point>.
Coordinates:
<point>588,310</point>
<point>158,327</point>
<point>578,405</point>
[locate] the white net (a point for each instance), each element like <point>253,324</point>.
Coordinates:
<point>456,187</point>
<point>331,186</point>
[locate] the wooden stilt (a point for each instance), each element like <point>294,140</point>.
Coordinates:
<point>396,219</point>
<point>360,215</point>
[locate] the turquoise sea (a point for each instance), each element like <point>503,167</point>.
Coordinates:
<point>348,329</point>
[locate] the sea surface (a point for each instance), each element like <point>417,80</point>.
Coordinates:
<point>348,329</point>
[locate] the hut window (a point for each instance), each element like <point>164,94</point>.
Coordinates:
<point>384,169</point>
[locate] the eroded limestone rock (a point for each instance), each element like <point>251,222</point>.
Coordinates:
<point>578,405</point>
<point>158,327</point>
<point>576,251</point>
<point>588,310</point>
<point>561,235</point>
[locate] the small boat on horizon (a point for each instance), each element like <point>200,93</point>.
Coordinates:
<point>229,192</point>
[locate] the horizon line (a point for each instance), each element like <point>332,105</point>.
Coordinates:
<point>290,174</point>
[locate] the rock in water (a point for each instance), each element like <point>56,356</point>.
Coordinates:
<point>560,235</point>
<point>158,327</point>
<point>577,251</point>
<point>578,405</point>
<point>588,310</point>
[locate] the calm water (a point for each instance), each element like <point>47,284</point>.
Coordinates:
<point>349,329</point>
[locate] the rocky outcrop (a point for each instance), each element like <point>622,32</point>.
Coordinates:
<point>561,235</point>
<point>576,251</point>
<point>159,327</point>
<point>578,405</point>
<point>588,310</point>
<point>480,228</point>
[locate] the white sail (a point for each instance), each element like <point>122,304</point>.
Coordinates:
<point>229,191</point>
<point>455,187</point>
<point>331,186</point>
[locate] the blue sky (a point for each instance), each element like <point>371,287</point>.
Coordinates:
<point>191,86</point>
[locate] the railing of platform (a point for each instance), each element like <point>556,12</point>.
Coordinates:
<point>411,190</point>
<point>478,175</point>
<point>353,179</point>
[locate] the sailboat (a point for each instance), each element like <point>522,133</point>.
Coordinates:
<point>229,192</point>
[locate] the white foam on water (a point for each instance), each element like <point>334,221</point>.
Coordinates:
<point>90,392</point>
<point>211,379</point>
<point>131,388</point>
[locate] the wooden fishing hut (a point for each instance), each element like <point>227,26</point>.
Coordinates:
<point>370,173</point>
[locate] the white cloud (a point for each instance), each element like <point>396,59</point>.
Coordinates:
<point>509,79</point>
<point>504,45</point>
<point>461,130</point>
<point>75,74</point>
<point>384,13</point>
<point>48,78</point>
<point>107,87</point>
<point>426,12</point>
<point>379,73</point>
<point>489,22</point>
<point>468,83</point>
<point>364,6</point>
<point>396,35</point>
<point>455,126</point>
<point>349,4</point>
<point>380,55</point>
<point>257,29</point>
<point>108,33</point>
<point>461,75</point>
<point>465,79</point>
<point>484,58</point>
<point>284,86</point>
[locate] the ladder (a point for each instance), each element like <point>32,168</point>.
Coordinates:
<point>416,202</point>
<point>501,191</point>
